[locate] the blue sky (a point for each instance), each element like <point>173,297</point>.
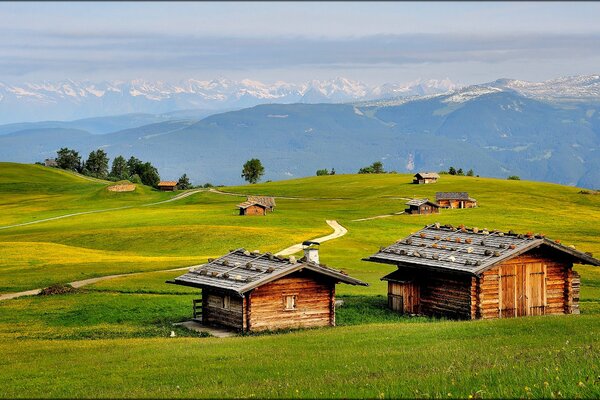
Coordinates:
<point>373,42</point>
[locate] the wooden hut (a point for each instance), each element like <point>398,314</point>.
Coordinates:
<point>167,186</point>
<point>426,177</point>
<point>265,200</point>
<point>472,273</point>
<point>252,291</point>
<point>455,200</point>
<point>252,208</point>
<point>422,206</point>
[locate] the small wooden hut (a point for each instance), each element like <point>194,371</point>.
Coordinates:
<point>472,273</point>
<point>252,208</point>
<point>265,200</point>
<point>421,206</point>
<point>167,186</point>
<point>455,200</point>
<point>252,291</point>
<point>426,177</point>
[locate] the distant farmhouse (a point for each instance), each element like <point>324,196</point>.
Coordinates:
<point>253,292</point>
<point>426,177</point>
<point>455,200</point>
<point>50,162</point>
<point>472,274</point>
<point>422,206</point>
<point>256,205</point>
<point>167,186</point>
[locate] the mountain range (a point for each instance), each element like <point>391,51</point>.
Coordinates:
<point>546,131</point>
<point>75,100</point>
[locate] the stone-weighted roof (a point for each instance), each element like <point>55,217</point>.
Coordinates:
<point>466,250</point>
<point>240,271</point>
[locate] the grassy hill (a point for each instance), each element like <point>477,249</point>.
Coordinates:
<point>111,339</point>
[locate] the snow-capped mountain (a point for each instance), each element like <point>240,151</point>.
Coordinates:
<point>582,87</point>
<point>82,99</point>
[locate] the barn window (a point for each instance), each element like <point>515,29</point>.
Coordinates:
<point>289,302</point>
<point>226,302</point>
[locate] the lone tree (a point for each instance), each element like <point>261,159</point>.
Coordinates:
<point>119,170</point>
<point>452,171</point>
<point>253,170</point>
<point>68,159</point>
<point>97,164</point>
<point>184,182</point>
<point>470,172</point>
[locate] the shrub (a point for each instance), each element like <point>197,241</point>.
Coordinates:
<point>513,178</point>
<point>58,288</point>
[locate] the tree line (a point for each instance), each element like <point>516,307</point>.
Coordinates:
<point>97,166</point>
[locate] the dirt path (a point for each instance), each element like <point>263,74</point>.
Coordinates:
<point>338,231</point>
<point>177,197</point>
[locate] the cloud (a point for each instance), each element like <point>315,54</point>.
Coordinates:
<point>32,52</point>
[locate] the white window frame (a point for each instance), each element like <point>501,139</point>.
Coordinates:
<point>294,298</point>
<point>226,302</point>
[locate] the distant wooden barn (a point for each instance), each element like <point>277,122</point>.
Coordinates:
<point>167,186</point>
<point>421,206</point>
<point>455,200</point>
<point>252,208</point>
<point>257,205</point>
<point>265,200</point>
<point>253,292</point>
<point>472,273</point>
<point>426,177</point>
<point>50,162</point>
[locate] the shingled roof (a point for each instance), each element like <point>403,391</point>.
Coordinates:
<point>249,203</point>
<point>453,196</point>
<point>240,271</point>
<point>427,175</point>
<point>167,183</point>
<point>266,200</point>
<point>466,250</point>
<point>420,202</point>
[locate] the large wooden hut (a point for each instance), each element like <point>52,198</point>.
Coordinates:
<point>426,177</point>
<point>421,206</point>
<point>252,291</point>
<point>455,200</point>
<point>472,273</point>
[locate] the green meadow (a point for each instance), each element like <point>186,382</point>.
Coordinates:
<point>111,339</point>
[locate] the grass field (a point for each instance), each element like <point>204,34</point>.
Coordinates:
<point>111,339</point>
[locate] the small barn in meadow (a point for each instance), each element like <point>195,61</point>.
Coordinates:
<point>252,291</point>
<point>426,177</point>
<point>252,208</point>
<point>455,200</point>
<point>167,186</point>
<point>421,206</point>
<point>265,200</point>
<point>475,273</point>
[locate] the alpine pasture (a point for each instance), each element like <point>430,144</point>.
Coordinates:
<point>112,338</point>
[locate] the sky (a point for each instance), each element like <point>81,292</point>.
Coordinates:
<point>373,42</point>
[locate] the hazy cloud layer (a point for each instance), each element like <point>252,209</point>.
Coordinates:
<point>30,53</point>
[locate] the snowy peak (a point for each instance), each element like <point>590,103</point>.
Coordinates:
<point>570,87</point>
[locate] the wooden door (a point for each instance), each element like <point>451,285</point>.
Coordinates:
<point>507,291</point>
<point>535,289</point>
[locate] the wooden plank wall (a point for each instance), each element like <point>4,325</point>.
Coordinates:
<point>214,314</point>
<point>315,303</point>
<point>446,294</point>
<point>557,290</point>
<point>404,297</point>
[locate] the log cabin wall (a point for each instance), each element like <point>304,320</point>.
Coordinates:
<point>314,299</point>
<point>222,310</point>
<point>446,295</point>
<point>253,210</point>
<point>404,297</point>
<point>530,284</point>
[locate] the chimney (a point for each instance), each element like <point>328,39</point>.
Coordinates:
<point>311,251</point>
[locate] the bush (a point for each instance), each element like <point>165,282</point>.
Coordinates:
<point>513,178</point>
<point>58,288</point>
<point>207,185</point>
<point>322,172</point>
<point>135,178</point>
